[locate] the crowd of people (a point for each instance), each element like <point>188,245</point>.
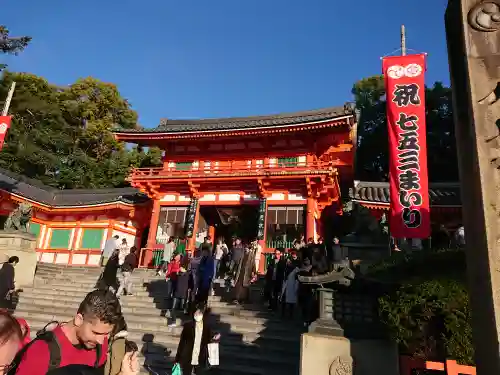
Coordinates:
<point>190,279</point>
<point>283,290</point>
<point>96,341</point>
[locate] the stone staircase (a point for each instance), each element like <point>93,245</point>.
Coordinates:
<point>253,342</point>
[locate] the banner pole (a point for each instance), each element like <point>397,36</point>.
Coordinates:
<point>8,100</point>
<point>403,41</point>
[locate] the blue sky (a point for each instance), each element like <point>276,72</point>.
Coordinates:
<point>219,58</point>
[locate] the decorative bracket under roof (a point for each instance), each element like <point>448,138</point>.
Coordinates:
<point>193,189</point>
<point>309,188</point>
<point>262,185</point>
<point>153,189</point>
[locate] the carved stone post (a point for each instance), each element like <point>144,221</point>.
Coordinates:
<point>326,323</point>
<point>474,55</point>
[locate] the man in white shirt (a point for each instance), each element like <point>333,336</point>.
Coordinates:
<point>168,253</point>
<point>110,246</point>
<point>124,251</point>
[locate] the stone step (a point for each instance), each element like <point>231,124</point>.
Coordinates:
<point>138,290</point>
<point>81,279</point>
<point>236,360</point>
<point>135,300</point>
<point>76,297</point>
<point>139,294</point>
<point>151,322</point>
<point>151,283</point>
<point>246,311</point>
<point>245,333</point>
<point>258,343</point>
<point>148,312</point>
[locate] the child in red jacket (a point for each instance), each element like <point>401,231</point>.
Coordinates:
<point>173,269</point>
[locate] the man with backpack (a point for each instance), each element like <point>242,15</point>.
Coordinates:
<point>81,341</point>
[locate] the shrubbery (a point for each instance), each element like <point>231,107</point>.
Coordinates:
<point>428,312</point>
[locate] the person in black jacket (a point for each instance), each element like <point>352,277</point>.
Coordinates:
<point>192,352</point>
<point>180,301</point>
<point>305,293</point>
<point>275,275</point>
<point>319,262</point>
<point>129,264</point>
<point>108,280</point>
<point>7,282</point>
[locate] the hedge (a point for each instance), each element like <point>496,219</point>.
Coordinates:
<point>428,312</point>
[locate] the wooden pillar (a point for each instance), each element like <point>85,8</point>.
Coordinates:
<point>211,233</point>
<point>191,242</point>
<point>153,225</point>
<point>311,207</point>
<point>111,227</point>
<point>73,244</point>
<point>309,159</point>
<point>320,231</point>
<point>147,256</point>
<point>473,37</point>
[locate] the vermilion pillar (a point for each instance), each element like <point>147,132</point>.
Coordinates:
<point>153,226</point>
<point>211,233</point>
<point>311,206</point>
<point>111,226</point>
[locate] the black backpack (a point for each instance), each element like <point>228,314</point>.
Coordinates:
<point>54,350</point>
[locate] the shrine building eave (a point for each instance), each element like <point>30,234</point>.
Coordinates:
<point>237,126</point>
<point>376,195</point>
<point>21,188</point>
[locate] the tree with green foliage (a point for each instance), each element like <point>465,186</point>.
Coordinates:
<point>372,154</point>
<point>10,44</point>
<point>62,136</point>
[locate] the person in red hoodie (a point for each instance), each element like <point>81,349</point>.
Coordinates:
<point>173,269</point>
<point>25,328</point>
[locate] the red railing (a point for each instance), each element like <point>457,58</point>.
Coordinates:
<point>234,168</point>
<point>450,367</point>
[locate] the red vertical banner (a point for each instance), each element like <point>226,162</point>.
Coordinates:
<point>4,126</point>
<point>409,187</point>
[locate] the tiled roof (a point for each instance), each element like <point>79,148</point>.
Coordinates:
<point>441,193</point>
<point>41,193</point>
<point>235,123</point>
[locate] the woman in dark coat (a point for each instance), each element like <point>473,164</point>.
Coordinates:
<point>244,275</point>
<point>195,360</point>
<point>7,282</point>
<point>305,293</point>
<point>109,279</point>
